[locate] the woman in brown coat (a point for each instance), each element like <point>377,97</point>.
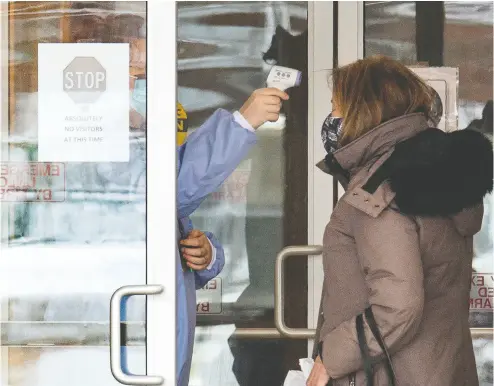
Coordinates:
<point>398,248</point>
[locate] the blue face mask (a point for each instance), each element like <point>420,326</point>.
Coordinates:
<point>138,99</point>
<point>331,132</point>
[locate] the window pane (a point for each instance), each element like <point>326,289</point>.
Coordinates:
<point>225,51</point>
<point>61,261</point>
<point>466,42</point>
<point>484,356</point>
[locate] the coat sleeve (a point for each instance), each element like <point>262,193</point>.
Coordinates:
<point>202,277</point>
<point>389,253</point>
<point>209,156</point>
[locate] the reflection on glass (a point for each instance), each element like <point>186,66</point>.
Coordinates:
<point>484,356</point>
<point>391,29</point>
<point>61,261</point>
<point>74,366</point>
<point>225,51</point>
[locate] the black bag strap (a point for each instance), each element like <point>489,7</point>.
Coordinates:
<point>320,320</point>
<point>364,350</point>
<point>371,321</point>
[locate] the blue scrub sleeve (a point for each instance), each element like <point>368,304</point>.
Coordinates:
<point>209,156</point>
<point>202,277</point>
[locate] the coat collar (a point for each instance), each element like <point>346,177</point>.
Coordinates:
<point>379,141</point>
<point>352,157</point>
<point>354,163</point>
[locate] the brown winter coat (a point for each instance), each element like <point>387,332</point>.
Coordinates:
<point>404,247</point>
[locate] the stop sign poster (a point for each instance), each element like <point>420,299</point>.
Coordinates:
<point>83,102</point>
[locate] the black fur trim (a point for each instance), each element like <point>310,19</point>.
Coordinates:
<point>439,174</point>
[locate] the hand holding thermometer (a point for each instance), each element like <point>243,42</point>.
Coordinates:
<point>264,104</point>
<point>283,78</point>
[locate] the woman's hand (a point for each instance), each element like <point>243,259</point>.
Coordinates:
<point>197,250</point>
<point>262,106</point>
<point>318,376</point>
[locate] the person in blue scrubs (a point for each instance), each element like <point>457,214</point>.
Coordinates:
<point>205,160</point>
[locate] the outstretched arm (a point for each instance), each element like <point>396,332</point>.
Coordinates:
<point>213,151</point>
<point>208,157</point>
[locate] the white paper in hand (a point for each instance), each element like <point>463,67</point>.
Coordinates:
<point>306,366</point>
<point>299,378</point>
<point>295,378</point>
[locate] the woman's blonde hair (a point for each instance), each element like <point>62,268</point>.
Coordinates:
<point>374,90</point>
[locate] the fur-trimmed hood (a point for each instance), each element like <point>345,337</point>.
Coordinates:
<point>429,172</point>
<point>438,173</point>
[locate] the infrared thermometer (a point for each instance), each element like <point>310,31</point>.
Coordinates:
<point>283,78</point>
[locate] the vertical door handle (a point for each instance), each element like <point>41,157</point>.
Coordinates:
<point>115,343</point>
<point>279,296</point>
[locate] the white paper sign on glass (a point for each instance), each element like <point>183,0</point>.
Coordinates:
<point>445,81</point>
<point>482,292</point>
<point>83,102</point>
<point>209,298</point>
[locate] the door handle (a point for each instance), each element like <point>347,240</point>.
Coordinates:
<point>115,343</point>
<point>281,329</point>
<point>279,297</point>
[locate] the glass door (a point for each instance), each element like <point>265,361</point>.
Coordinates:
<point>73,223</point>
<point>225,51</point>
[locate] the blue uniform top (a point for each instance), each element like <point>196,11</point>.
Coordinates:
<point>209,156</point>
